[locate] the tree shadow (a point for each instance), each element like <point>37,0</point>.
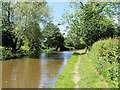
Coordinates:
<point>76,53</point>
<point>82,53</point>
<point>79,53</point>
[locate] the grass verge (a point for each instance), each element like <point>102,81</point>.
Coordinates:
<point>64,79</point>
<point>103,60</point>
<point>97,69</point>
<point>89,78</point>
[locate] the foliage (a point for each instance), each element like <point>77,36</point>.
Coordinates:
<point>105,53</point>
<point>21,24</point>
<point>8,37</point>
<point>5,53</point>
<point>75,42</point>
<point>108,61</point>
<point>87,73</point>
<point>97,69</point>
<point>92,21</point>
<point>53,37</point>
<point>34,36</point>
<point>89,78</point>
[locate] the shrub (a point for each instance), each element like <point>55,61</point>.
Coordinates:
<point>106,55</point>
<point>6,53</point>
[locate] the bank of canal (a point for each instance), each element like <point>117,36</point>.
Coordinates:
<point>37,71</point>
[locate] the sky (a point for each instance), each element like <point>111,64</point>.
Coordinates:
<point>58,11</point>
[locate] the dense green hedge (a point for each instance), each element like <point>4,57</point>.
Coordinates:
<point>106,53</point>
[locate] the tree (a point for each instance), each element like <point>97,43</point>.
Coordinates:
<point>53,37</point>
<point>73,39</point>
<point>21,21</point>
<point>92,20</point>
<point>8,37</point>
<point>32,16</point>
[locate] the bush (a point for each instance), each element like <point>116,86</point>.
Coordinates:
<point>106,54</point>
<point>6,53</point>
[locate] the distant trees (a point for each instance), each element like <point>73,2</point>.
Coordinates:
<point>92,21</point>
<point>73,40</point>
<point>53,37</point>
<point>34,36</point>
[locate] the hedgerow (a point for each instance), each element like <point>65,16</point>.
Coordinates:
<point>106,54</point>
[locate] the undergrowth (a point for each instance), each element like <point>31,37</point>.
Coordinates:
<point>106,56</point>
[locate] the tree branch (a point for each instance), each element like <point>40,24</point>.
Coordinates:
<point>81,4</point>
<point>21,42</point>
<point>101,8</point>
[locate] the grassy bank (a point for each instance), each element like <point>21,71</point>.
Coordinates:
<point>65,78</point>
<point>105,54</point>
<point>87,72</point>
<point>89,77</point>
<point>97,69</point>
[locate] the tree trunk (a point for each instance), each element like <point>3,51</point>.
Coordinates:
<point>57,48</point>
<point>14,46</point>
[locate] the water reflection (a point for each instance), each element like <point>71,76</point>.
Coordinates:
<point>49,71</point>
<point>57,55</point>
<point>33,72</point>
<point>23,73</point>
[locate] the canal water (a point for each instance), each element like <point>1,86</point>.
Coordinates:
<point>36,71</point>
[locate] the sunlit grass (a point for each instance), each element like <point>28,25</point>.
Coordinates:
<point>88,74</point>
<point>64,80</point>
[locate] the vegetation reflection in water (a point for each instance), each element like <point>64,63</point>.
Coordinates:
<point>39,72</point>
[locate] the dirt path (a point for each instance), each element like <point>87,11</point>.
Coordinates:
<point>76,77</point>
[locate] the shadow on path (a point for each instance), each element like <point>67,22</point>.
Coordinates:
<point>79,53</point>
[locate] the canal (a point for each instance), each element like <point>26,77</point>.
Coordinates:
<point>36,71</point>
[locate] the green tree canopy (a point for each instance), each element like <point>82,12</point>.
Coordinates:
<point>92,21</point>
<point>53,37</point>
<point>21,22</point>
